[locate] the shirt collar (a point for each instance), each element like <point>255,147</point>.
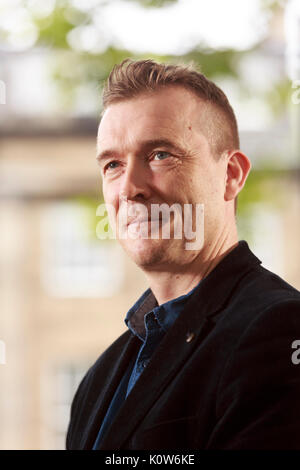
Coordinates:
<point>165,314</point>
<point>135,315</point>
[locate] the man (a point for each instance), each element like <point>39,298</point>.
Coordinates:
<point>206,362</point>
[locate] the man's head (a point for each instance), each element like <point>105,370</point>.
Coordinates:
<point>133,78</point>
<point>169,135</point>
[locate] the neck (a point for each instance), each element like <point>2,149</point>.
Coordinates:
<point>172,281</point>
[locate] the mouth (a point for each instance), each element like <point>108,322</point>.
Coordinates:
<point>141,221</point>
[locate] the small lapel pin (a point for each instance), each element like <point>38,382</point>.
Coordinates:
<point>190,337</point>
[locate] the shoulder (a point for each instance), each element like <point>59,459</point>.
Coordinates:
<point>101,368</point>
<point>260,298</point>
<point>263,352</point>
<point>263,296</point>
<point>258,326</point>
<point>265,288</point>
<point>106,360</point>
<point>260,363</point>
<point>91,387</point>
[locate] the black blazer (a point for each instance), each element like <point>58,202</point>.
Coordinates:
<point>222,377</point>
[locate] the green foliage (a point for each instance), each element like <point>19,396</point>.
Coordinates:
<point>90,205</point>
<point>154,3</point>
<point>73,69</point>
<point>278,96</point>
<point>213,62</point>
<point>273,5</point>
<point>260,189</point>
<point>53,29</point>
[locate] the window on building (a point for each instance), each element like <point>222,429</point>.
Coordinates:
<point>74,262</point>
<point>58,389</point>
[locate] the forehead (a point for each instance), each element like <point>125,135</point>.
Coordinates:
<point>171,111</point>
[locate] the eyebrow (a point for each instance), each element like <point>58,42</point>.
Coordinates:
<point>106,154</point>
<point>144,146</point>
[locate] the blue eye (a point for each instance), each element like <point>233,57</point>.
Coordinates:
<point>111,165</point>
<point>161,155</point>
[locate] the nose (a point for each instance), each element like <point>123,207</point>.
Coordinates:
<point>134,184</point>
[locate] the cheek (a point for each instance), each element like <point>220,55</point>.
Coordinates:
<point>110,193</point>
<point>173,184</point>
<point>203,189</point>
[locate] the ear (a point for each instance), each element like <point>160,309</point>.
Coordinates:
<point>238,167</point>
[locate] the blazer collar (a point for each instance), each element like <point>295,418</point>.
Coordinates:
<point>191,325</point>
<point>215,289</point>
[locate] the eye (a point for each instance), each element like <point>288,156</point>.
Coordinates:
<point>160,155</point>
<point>111,166</point>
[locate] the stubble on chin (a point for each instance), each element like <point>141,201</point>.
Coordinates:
<point>154,254</point>
<point>146,253</point>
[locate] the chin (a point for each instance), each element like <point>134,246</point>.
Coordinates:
<point>146,253</point>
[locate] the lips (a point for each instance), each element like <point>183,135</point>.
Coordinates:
<point>140,221</point>
<point>139,214</point>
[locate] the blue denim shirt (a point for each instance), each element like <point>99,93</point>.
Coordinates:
<point>149,322</point>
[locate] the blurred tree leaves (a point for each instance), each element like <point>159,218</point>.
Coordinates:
<point>73,69</point>
<point>53,29</point>
<point>260,185</point>
<point>213,62</point>
<point>273,5</point>
<point>278,96</point>
<point>90,205</point>
<point>154,3</point>
<point>261,190</point>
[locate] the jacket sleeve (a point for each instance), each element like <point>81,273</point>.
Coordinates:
<point>258,398</point>
<point>72,438</point>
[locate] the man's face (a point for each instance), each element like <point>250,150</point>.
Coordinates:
<point>152,150</point>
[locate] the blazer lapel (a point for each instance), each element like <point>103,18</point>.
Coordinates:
<point>165,363</point>
<point>192,325</point>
